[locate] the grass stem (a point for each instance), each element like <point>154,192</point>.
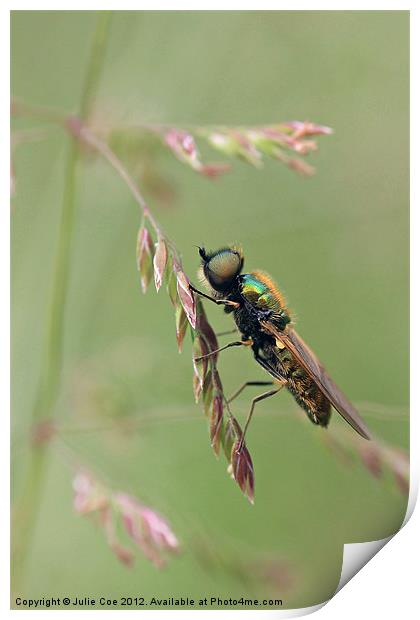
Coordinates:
<point>28,503</point>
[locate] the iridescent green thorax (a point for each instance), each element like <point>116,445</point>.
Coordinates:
<point>259,289</point>
<point>252,286</point>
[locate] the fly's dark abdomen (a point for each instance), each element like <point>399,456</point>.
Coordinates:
<point>300,385</point>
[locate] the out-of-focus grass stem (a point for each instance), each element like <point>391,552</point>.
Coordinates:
<point>29,499</point>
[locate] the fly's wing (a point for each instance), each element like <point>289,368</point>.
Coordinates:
<point>308,360</point>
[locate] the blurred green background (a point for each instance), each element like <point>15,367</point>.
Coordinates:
<point>336,243</point>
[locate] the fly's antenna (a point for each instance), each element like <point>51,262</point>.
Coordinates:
<point>201,251</point>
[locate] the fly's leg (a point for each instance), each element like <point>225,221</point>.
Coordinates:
<point>219,302</point>
<point>244,385</point>
<point>256,400</point>
<point>237,343</point>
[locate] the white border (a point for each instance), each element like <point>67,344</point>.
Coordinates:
<point>387,584</point>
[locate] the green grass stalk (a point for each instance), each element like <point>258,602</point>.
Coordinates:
<point>29,500</point>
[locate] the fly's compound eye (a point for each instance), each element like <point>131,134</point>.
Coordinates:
<point>223,267</point>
